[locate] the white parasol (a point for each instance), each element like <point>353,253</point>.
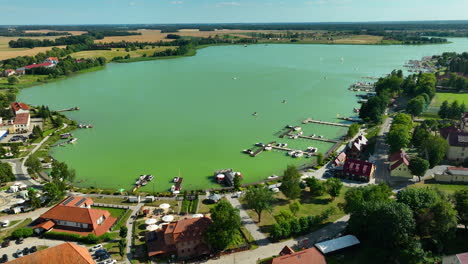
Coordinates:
<point>151,221</point>
<point>164,206</point>
<point>168,218</point>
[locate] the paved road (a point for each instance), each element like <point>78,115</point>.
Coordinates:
<point>129,224</point>
<point>249,223</point>
<point>252,256</point>
<point>380,156</point>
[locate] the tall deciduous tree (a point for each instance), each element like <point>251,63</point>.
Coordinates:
<point>259,199</point>
<point>316,187</point>
<point>290,183</point>
<point>226,224</point>
<point>294,207</point>
<point>333,187</point>
<point>461,205</point>
<point>418,166</point>
<point>356,197</point>
<point>434,149</point>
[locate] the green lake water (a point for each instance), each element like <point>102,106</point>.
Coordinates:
<point>194,114</point>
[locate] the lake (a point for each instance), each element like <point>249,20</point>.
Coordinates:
<point>194,114</point>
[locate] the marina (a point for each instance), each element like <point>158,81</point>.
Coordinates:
<point>310,120</point>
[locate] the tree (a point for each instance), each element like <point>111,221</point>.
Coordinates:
<point>316,187</point>
<point>14,149</point>
<point>53,191</point>
<point>418,166</point>
<point>398,137</point>
<point>461,205</point>
<point>403,119</point>
<point>123,231</point>
<point>353,130</point>
<point>225,226</point>
<point>417,198</point>
<point>420,135</point>
<point>356,197</point>
<point>22,232</point>
<point>416,106</point>
<point>290,183</point>
<point>333,187</point>
<point>434,149</point>
<point>319,159</point>
<point>122,246</point>
<point>259,200</point>
<point>6,173</point>
<point>454,111</point>
<point>294,207</point>
<point>33,164</point>
<point>57,121</point>
<point>33,199</point>
<point>237,182</point>
<point>12,80</point>
<point>444,110</point>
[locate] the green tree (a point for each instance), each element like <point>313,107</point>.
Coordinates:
<point>356,197</point>
<point>294,207</point>
<point>12,80</point>
<point>22,232</point>
<point>33,164</point>
<point>14,149</point>
<point>420,135</point>
<point>353,130</point>
<point>416,106</point>
<point>33,199</point>
<point>333,187</point>
<point>319,159</point>
<point>122,246</point>
<point>6,173</point>
<point>123,231</point>
<point>418,166</point>
<point>316,187</point>
<point>225,226</point>
<point>461,205</point>
<point>259,199</point>
<point>434,149</point>
<point>237,182</point>
<point>57,121</point>
<point>53,191</point>
<point>398,137</point>
<point>290,183</point>
<point>403,119</point>
<point>454,111</point>
<point>444,110</point>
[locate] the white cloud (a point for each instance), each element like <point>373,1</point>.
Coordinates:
<point>177,2</point>
<point>228,4</point>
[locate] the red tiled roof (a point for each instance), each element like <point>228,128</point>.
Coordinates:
<point>17,106</point>
<point>340,159</point>
<point>45,64</point>
<point>47,225</point>
<point>463,258</point>
<point>9,70</point>
<point>21,119</point>
<point>457,168</point>
<point>358,167</point>
<point>53,59</point>
<point>286,250</point>
<point>77,201</point>
<point>307,256</point>
<point>66,253</point>
<point>398,158</point>
<point>189,229</point>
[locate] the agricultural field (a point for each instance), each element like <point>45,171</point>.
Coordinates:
<point>120,52</point>
<point>360,39</point>
<point>6,52</point>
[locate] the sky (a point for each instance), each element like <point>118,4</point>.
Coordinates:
<point>50,12</point>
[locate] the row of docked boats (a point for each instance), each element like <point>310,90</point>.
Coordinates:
<point>142,181</point>
<point>85,126</point>
<point>177,186</point>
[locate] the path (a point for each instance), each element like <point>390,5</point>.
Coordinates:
<point>129,225</point>
<point>248,222</point>
<point>380,156</point>
<point>252,256</point>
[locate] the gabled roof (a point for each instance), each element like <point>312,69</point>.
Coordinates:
<point>45,64</point>
<point>21,119</point>
<point>340,159</point>
<point>458,139</point>
<point>16,106</point>
<point>47,225</point>
<point>337,243</point>
<point>358,167</point>
<point>9,70</point>
<point>398,158</point>
<point>286,250</point>
<point>67,253</point>
<point>188,229</point>
<point>306,256</point>
<point>52,58</point>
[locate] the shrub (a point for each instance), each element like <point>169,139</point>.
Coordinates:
<point>91,239</point>
<point>22,232</point>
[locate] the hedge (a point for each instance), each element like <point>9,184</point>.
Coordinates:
<point>89,239</point>
<point>22,232</point>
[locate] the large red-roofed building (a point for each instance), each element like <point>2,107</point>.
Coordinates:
<point>358,170</point>
<point>306,256</point>
<point>66,253</point>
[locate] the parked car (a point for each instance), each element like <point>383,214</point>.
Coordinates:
<point>5,243</point>
<point>5,258</point>
<point>109,261</point>
<point>95,247</point>
<point>33,249</point>
<point>20,240</point>
<point>25,251</point>
<point>18,253</point>
<point>100,252</point>
<point>104,257</point>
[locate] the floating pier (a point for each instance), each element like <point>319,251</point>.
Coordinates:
<point>76,108</point>
<point>320,139</point>
<point>310,120</point>
<point>261,149</point>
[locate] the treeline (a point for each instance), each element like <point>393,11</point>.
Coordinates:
<point>420,88</point>
<point>71,40</point>
<point>32,34</point>
<point>6,174</point>
<point>455,81</point>
<point>111,33</point>
<point>67,66</point>
<point>416,227</point>
<point>409,38</point>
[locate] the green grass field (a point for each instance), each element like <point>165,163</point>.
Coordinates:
<point>310,206</point>
<point>120,52</point>
<point>448,188</point>
<point>450,97</point>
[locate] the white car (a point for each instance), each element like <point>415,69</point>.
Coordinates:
<point>108,261</point>
<point>95,247</point>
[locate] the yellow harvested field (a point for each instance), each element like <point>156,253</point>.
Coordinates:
<point>109,54</point>
<point>6,52</point>
<point>360,39</point>
<point>74,33</point>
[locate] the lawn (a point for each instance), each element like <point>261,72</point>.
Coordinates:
<point>450,97</point>
<point>449,188</point>
<point>205,206</point>
<point>310,206</point>
<point>189,206</point>
<point>117,52</point>
<point>115,212</point>
<point>122,221</point>
<point>108,200</point>
<point>24,81</point>
<point>113,250</point>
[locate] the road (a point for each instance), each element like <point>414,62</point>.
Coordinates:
<point>380,156</point>
<point>252,256</point>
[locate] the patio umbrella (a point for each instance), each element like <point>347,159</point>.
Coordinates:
<point>197,215</point>
<point>164,206</point>
<point>152,227</point>
<point>151,221</point>
<point>168,218</point>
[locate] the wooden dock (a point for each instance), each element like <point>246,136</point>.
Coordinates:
<point>261,149</point>
<point>310,120</point>
<point>320,139</point>
<point>287,132</point>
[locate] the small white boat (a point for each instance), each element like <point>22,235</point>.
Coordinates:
<point>142,177</point>
<point>272,177</point>
<point>73,140</point>
<point>258,144</point>
<point>291,153</point>
<point>285,145</point>
<point>298,154</point>
<point>320,136</point>
<point>176,179</point>
<point>149,177</point>
<point>268,148</point>
<point>143,183</point>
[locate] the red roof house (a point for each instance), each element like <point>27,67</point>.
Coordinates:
<point>18,107</point>
<point>75,215</point>
<point>399,165</point>
<point>306,256</point>
<point>358,169</point>
<point>53,60</point>
<point>340,159</point>
<point>183,238</point>
<point>8,72</point>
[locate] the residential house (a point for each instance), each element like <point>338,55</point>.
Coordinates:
<point>22,70</point>
<point>399,165</point>
<point>53,60</point>
<point>75,215</point>
<point>183,238</point>
<point>359,170</point>
<point>306,256</point>
<point>8,72</point>
<point>19,108</point>
<point>461,258</point>
<point>340,159</point>
<point>66,253</point>
<point>22,123</point>
<point>453,175</point>
<point>337,244</point>
<point>458,143</point>
<point>356,147</point>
